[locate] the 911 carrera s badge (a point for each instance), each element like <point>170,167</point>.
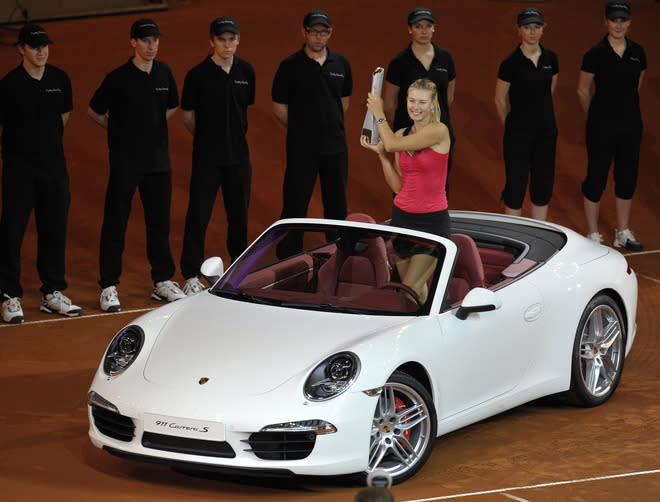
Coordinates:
<point>203,380</point>
<point>184,427</point>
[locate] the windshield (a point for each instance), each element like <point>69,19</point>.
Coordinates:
<point>339,269</point>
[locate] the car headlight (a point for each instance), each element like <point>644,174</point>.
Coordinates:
<point>332,377</point>
<point>123,350</point>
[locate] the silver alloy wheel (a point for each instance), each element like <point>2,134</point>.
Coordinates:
<point>601,351</point>
<point>401,433</point>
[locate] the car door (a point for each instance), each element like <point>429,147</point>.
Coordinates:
<point>485,355</point>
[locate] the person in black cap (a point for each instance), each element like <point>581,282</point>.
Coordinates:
<point>615,68</point>
<point>421,59</point>
<point>134,103</point>
<point>214,103</point>
<point>311,92</point>
<point>35,102</point>
<point>528,76</point>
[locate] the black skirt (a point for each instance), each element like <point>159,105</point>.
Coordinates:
<point>437,222</point>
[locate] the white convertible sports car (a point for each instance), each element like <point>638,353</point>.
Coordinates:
<point>310,356</point>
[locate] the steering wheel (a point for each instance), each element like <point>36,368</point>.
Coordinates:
<point>404,288</point>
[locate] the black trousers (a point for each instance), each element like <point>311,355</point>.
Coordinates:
<point>25,187</point>
<point>302,170</point>
<point>529,155</point>
<point>607,142</point>
<point>205,181</point>
<point>156,194</point>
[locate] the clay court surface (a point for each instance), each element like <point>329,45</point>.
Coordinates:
<point>538,452</point>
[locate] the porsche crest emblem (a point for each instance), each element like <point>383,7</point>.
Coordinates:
<point>203,380</point>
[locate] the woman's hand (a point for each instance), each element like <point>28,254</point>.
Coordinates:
<point>378,148</point>
<point>375,105</point>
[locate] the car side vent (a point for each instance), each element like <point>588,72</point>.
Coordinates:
<point>282,445</point>
<point>113,424</point>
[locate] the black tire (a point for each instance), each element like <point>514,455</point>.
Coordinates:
<point>405,424</point>
<point>598,353</point>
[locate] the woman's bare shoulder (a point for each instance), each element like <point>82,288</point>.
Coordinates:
<point>440,126</point>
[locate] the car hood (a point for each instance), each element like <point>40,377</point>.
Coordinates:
<point>255,348</point>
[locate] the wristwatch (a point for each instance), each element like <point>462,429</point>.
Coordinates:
<point>381,120</point>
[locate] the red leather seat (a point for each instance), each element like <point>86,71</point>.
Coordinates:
<point>354,273</point>
<point>468,271</point>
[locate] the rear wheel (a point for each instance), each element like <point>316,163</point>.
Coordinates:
<point>598,352</point>
<point>404,428</point>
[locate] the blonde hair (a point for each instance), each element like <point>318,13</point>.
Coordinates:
<point>424,84</point>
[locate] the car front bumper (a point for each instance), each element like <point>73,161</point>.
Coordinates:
<point>126,430</point>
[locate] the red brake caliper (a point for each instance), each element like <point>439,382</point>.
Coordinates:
<point>400,405</point>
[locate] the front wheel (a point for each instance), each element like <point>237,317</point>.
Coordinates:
<point>403,429</point>
<point>598,352</point>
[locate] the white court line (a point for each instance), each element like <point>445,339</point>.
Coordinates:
<point>513,497</point>
<point>653,279</point>
<point>542,485</point>
<point>639,253</point>
<point>88,316</point>
<point>146,309</point>
<point>135,311</point>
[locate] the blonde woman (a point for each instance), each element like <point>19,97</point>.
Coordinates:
<point>416,174</point>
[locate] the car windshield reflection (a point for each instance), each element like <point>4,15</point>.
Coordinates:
<point>335,269</point>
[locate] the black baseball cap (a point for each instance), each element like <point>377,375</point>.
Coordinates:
<point>420,14</point>
<point>143,28</point>
<point>33,35</point>
<point>314,17</point>
<point>616,9</point>
<point>529,16</point>
<point>224,24</point>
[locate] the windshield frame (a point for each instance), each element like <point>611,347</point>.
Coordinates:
<point>255,260</point>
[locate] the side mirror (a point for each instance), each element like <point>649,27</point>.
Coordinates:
<point>478,300</point>
<point>212,269</point>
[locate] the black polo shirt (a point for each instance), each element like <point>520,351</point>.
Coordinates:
<point>405,68</point>
<point>530,90</point>
<point>616,96</point>
<point>220,100</point>
<point>137,103</point>
<point>31,115</point>
<point>313,95</point>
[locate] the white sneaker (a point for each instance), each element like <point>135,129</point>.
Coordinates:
<point>11,310</point>
<point>193,286</point>
<point>110,300</point>
<point>167,291</point>
<point>626,239</point>
<point>57,303</point>
<point>596,237</point>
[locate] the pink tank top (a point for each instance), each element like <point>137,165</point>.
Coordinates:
<point>423,178</point>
